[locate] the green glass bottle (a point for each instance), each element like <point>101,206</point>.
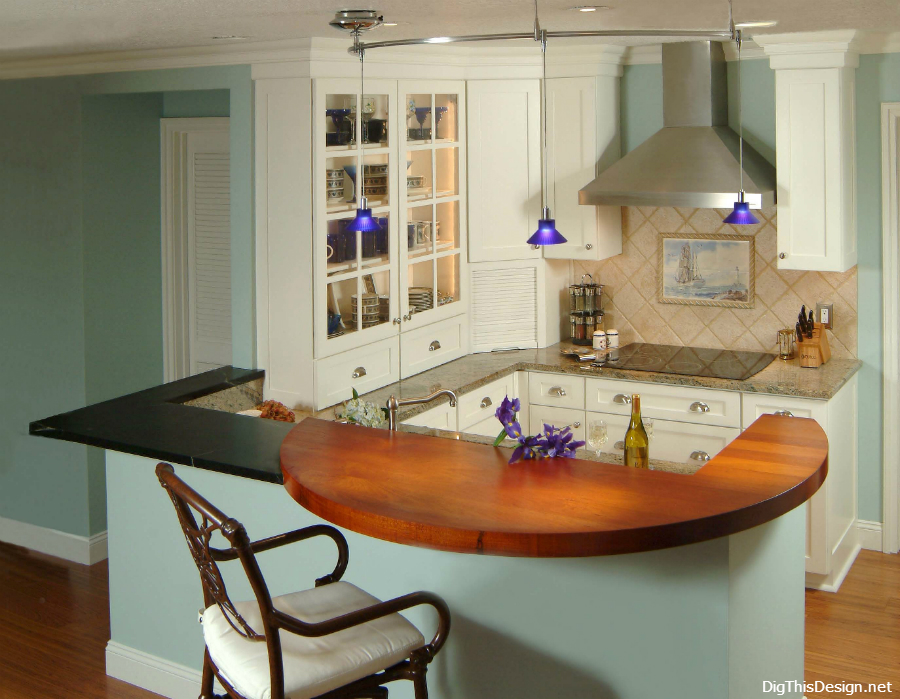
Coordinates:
<point>637,445</point>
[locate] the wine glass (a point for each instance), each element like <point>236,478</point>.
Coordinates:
<point>598,435</point>
<point>648,428</point>
<point>421,115</point>
<point>438,113</point>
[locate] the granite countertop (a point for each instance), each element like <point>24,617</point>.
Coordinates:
<point>785,378</point>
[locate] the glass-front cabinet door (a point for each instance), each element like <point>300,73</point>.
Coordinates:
<point>356,274</point>
<point>432,229</point>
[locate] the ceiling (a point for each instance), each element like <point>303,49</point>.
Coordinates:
<point>39,28</point>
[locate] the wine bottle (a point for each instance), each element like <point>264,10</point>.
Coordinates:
<point>637,445</point>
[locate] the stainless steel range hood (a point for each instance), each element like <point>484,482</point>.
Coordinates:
<point>693,160</point>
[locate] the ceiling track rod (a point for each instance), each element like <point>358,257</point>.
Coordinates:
<point>674,33</point>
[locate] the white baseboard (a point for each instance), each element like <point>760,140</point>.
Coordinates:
<point>86,550</point>
<point>842,559</point>
<point>152,673</point>
<point>870,535</point>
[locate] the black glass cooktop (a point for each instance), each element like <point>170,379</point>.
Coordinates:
<point>690,361</point>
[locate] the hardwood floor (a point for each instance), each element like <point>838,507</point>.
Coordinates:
<point>854,636</point>
<point>54,624</point>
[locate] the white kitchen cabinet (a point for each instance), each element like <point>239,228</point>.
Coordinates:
<point>432,345</point>
<point>658,401</point>
<point>582,140</point>
<point>557,417</point>
<point>815,134</point>
<point>832,541</point>
<point>441,417</point>
<point>556,390</point>
<point>479,405</point>
<point>337,376</point>
<point>504,156</point>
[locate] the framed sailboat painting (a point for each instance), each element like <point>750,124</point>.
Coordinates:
<point>707,270</point>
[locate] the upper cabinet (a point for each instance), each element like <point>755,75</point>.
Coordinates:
<point>582,140</point>
<point>504,119</point>
<point>505,173</point>
<point>815,123</point>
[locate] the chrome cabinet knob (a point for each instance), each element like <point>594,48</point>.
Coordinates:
<point>782,255</point>
<point>701,456</point>
<point>622,399</point>
<point>576,425</point>
<point>783,413</point>
<point>397,321</point>
<point>620,445</point>
<point>535,247</point>
<point>407,317</point>
<point>435,345</point>
<point>588,247</point>
<point>358,373</point>
<point>557,391</point>
<point>699,407</point>
<point>486,402</point>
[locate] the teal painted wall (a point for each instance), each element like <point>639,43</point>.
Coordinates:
<point>640,96</point>
<point>80,273</point>
<point>41,301</point>
<point>196,103</point>
<point>877,81</point>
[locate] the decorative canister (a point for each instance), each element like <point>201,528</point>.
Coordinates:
<point>612,338</point>
<point>599,340</point>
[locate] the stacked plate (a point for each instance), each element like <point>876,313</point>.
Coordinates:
<point>371,310</point>
<point>421,298</point>
<point>334,184</point>
<point>376,182</point>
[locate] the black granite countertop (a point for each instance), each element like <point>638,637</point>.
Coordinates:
<point>155,423</point>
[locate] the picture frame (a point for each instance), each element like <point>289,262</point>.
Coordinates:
<point>698,269</point>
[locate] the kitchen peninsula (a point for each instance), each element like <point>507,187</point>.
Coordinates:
<point>708,619</point>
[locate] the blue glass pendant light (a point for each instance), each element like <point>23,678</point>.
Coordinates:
<point>546,233</point>
<point>363,221</point>
<point>741,215</point>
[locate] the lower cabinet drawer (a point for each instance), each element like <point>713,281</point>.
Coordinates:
<point>557,390</point>
<point>364,369</point>
<point>481,404</point>
<point>433,345</point>
<point>681,442</point>
<point>489,427</point>
<point>757,404</point>
<point>443,417</point>
<point>557,417</point>
<point>680,403</point>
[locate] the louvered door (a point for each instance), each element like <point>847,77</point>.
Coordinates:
<point>504,308</point>
<point>209,250</point>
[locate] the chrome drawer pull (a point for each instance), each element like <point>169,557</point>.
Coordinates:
<point>358,373</point>
<point>622,399</point>
<point>557,391</point>
<point>699,407</point>
<point>435,345</point>
<point>700,456</point>
<point>620,445</point>
<point>576,425</point>
<point>486,402</point>
<point>784,413</point>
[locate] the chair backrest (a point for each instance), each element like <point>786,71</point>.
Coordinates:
<point>187,501</point>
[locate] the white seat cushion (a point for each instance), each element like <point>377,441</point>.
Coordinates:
<point>312,666</point>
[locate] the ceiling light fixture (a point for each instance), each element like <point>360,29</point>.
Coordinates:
<point>741,215</point>
<point>546,233</point>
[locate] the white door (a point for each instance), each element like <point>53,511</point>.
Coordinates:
<point>504,174</point>
<point>196,245</point>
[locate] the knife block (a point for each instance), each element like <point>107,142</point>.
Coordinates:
<point>814,351</point>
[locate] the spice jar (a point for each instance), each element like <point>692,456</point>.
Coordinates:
<point>576,298</point>
<point>599,340</point>
<point>578,333</point>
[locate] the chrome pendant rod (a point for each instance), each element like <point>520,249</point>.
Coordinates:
<point>673,33</point>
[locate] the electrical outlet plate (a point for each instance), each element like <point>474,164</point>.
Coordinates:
<point>825,314</point>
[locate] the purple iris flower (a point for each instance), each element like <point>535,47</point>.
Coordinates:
<point>560,442</point>
<point>529,448</point>
<point>506,413</point>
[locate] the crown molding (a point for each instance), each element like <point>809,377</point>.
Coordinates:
<point>832,49</point>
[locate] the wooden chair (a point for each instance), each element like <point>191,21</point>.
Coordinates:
<point>339,641</point>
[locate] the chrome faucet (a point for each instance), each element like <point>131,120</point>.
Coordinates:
<point>394,403</point>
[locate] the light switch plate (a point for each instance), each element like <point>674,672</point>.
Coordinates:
<point>825,314</point>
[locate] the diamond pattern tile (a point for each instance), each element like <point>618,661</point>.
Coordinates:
<point>631,288</point>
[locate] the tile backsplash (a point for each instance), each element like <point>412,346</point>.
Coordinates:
<point>631,288</point>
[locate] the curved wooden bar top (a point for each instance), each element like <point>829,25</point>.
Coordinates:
<point>457,496</point>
